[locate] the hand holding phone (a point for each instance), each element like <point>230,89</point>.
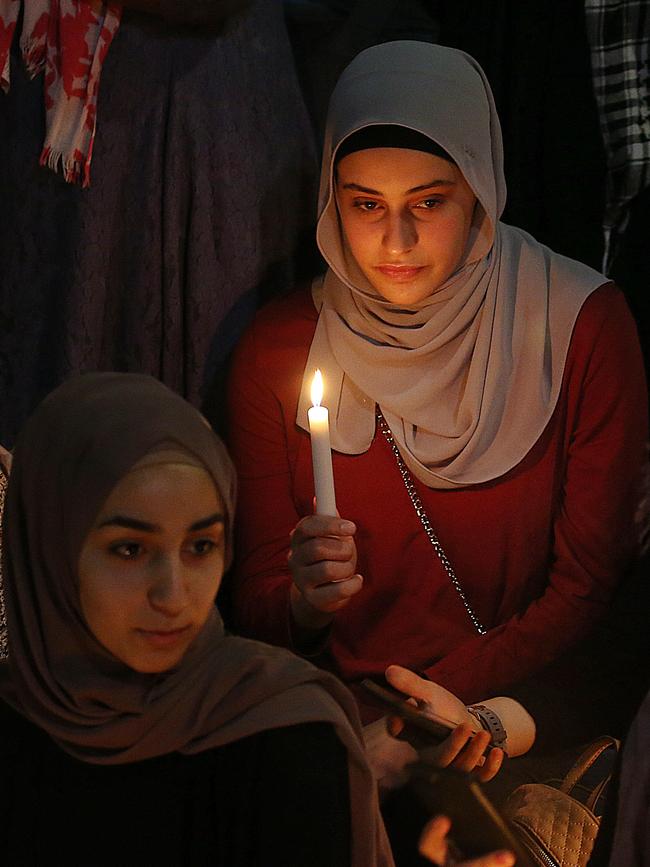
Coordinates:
<point>435,845</point>
<point>421,729</point>
<point>477,828</point>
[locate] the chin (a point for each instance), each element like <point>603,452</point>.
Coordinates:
<point>154,665</point>
<point>403,292</point>
<point>153,668</point>
<point>405,296</point>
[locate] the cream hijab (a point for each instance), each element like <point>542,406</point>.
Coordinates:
<point>468,378</point>
<point>71,453</point>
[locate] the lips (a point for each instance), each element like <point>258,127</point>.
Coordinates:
<point>400,272</point>
<point>163,638</point>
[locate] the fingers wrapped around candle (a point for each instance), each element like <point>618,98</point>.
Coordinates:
<point>323,560</point>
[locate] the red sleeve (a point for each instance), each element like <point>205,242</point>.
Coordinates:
<point>604,394</point>
<point>267,359</point>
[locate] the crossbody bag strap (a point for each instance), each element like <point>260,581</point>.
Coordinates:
<point>585,760</point>
<point>426,523</point>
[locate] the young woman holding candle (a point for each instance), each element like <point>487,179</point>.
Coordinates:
<point>134,731</point>
<point>486,400</point>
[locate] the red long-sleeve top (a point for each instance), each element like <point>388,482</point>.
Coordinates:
<point>538,552</point>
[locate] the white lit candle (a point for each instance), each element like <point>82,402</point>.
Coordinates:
<point>321,452</point>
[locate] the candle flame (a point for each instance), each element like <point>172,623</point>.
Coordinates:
<point>317,388</point>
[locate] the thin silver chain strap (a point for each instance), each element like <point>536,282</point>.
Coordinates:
<point>426,523</point>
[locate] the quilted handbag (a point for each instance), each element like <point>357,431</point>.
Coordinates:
<point>556,829</point>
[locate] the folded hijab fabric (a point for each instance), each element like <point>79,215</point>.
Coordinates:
<point>468,378</point>
<point>69,39</point>
<point>78,444</point>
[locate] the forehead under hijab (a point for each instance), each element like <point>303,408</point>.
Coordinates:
<point>168,453</point>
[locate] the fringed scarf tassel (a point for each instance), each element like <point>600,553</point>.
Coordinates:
<point>69,39</point>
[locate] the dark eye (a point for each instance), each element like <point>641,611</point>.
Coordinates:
<point>429,204</point>
<point>126,550</point>
<point>366,204</point>
<point>201,547</point>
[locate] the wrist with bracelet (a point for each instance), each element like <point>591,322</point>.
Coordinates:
<point>491,723</point>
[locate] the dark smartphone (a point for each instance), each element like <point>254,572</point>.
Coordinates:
<point>419,730</point>
<point>476,825</point>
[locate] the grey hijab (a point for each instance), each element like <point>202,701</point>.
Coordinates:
<point>468,378</point>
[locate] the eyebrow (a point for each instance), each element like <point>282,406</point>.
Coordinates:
<point>145,527</point>
<point>439,182</point>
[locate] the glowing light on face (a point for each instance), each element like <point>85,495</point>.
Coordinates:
<point>151,565</point>
<point>406,217</point>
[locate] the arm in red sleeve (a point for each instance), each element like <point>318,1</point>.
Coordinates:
<point>266,512</point>
<point>604,396</point>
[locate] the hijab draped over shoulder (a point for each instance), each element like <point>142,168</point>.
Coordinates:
<point>72,452</point>
<point>468,378</point>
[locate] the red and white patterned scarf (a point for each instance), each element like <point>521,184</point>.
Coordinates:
<point>68,39</point>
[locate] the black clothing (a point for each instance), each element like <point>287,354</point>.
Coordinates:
<point>277,798</point>
<point>536,57</point>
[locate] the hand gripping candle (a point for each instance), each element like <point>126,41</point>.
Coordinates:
<point>321,452</point>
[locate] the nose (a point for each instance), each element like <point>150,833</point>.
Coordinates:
<point>400,234</point>
<point>168,592</point>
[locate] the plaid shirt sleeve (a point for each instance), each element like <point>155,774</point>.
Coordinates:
<point>619,38</point>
